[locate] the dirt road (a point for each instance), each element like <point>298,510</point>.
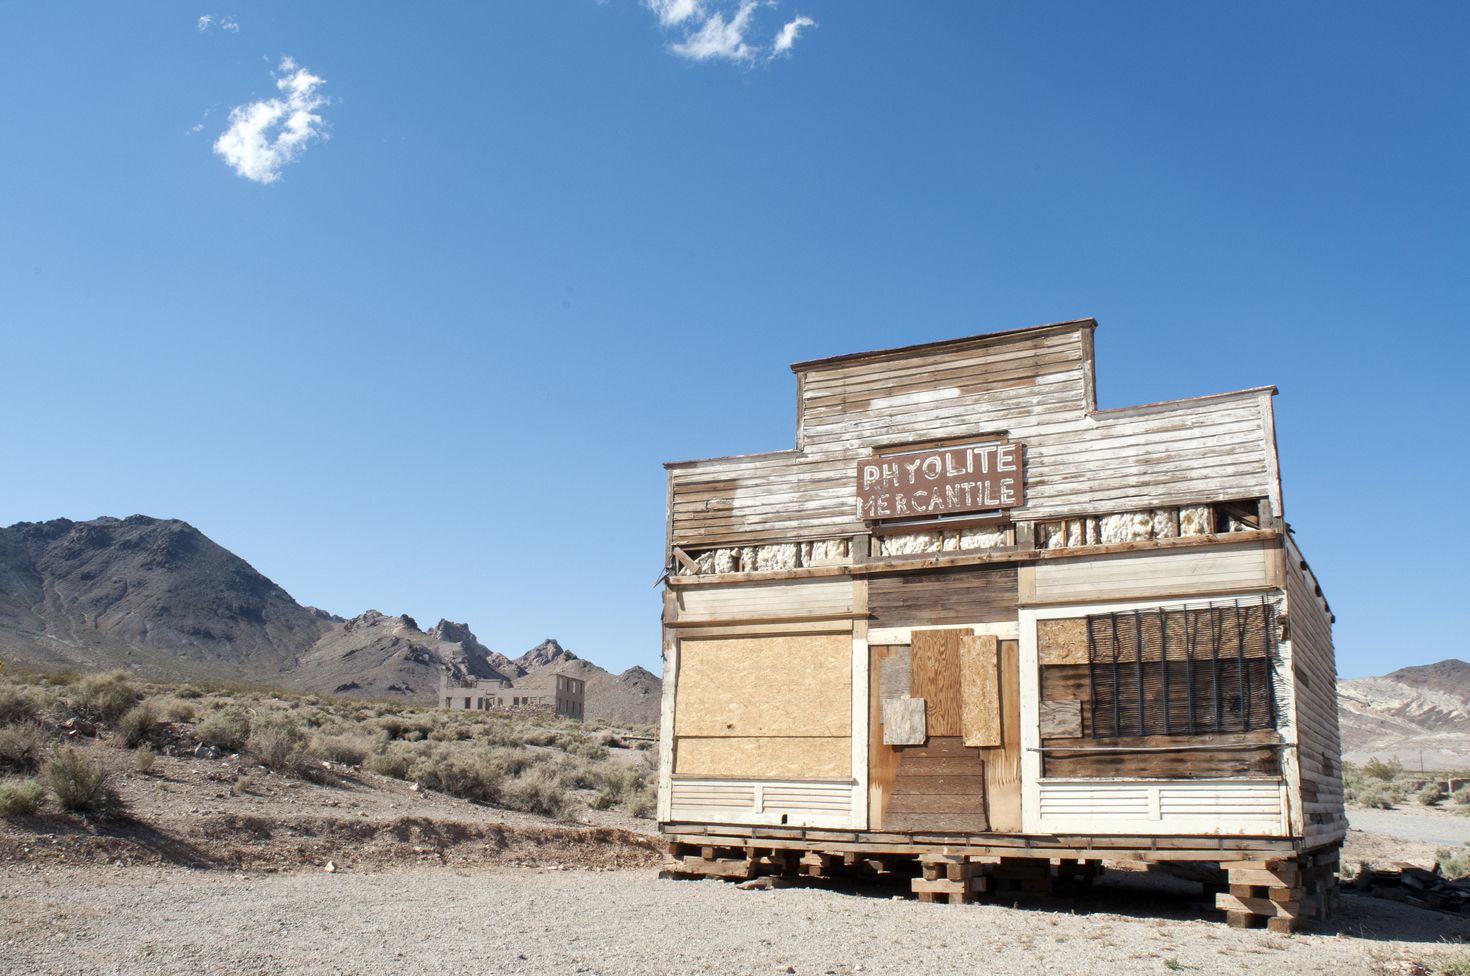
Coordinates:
<point>145,920</point>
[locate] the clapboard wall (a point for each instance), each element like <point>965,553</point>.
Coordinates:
<point>1314,674</point>
<point>1033,385</point>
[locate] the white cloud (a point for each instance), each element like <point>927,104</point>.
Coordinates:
<point>672,12</point>
<point>789,33</point>
<point>266,135</point>
<point>227,23</point>
<point>719,38</point>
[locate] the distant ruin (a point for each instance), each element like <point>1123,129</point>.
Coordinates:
<point>538,694</point>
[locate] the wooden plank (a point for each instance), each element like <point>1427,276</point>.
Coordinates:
<point>980,718</point>
<point>883,759</point>
<point>1003,764</point>
<point>893,673</point>
<point>979,594</point>
<point>935,677</point>
<point>903,721</point>
<point>1061,719</point>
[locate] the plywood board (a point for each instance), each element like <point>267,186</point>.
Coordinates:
<point>935,677</point>
<point>980,691</point>
<point>893,674</point>
<point>764,758</point>
<point>1061,719</point>
<point>776,686</point>
<point>903,721</point>
<point>1062,641</point>
<point>977,594</point>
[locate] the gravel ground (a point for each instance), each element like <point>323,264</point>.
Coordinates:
<point>1437,827</point>
<point>143,920</point>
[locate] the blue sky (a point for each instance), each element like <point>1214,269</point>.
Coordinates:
<point>427,355</point>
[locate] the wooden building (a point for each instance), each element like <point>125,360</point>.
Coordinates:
<point>975,628</point>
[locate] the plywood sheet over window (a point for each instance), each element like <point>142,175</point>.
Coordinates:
<point>759,687</point>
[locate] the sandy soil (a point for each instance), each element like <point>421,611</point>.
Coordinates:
<point>201,880</point>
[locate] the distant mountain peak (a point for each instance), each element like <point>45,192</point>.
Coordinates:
<point>544,654</point>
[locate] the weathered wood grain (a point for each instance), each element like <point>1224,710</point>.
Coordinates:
<point>903,721</point>
<point>1061,719</point>
<point>974,594</point>
<point>1003,763</point>
<point>935,677</point>
<point>893,673</point>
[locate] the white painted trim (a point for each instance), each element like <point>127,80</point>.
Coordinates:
<point>666,726</point>
<point>763,810</point>
<point>860,713</point>
<point>1027,660</point>
<point>1219,813</point>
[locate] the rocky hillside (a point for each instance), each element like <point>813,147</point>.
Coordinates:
<point>157,597</point>
<point>1413,711</point>
<point>147,594</point>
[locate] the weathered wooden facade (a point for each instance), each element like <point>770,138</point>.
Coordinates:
<point>975,627</point>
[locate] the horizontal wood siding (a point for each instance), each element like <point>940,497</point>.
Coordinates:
<point>795,803</point>
<point>1034,386</point>
<point>1197,807</point>
<point>982,594</point>
<point>1212,569</point>
<point>785,598</point>
<point>1314,673</point>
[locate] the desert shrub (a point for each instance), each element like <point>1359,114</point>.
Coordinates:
<point>106,697</point>
<point>476,774</point>
<point>540,790</point>
<point>584,748</point>
<point>243,784</point>
<point>20,797</point>
<point>402,729</point>
<point>1376,796</point>
<point>1429,794</point>
<point>1456,964</point>
<point>1380,770</point>
<point>277,742</point>
<point>226,729</point>
<point>143,758</point>
<point>395,761</point>
<point>578,774</point>
<point>1453,862</point>
<point>628,788</point>
<point>173,709</point>
<point>188,691</point>
<point>1461,797</point>
<point>138,725</point>
<point>22,746</point>
<point>16,704</point>
<point>349,749</point>
<point>81,785</point>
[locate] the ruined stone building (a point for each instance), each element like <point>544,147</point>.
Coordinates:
<point>542,693</point>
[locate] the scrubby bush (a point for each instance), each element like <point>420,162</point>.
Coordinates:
<point>277,742</point>
<point>1453,862</point>
<point>1380,770</point>
<point>1376,796</point>
<point>1430,794</point>
<point>81,785</point>
<point>350,749</point>
<point>400,729</point>
<point>1456,964</point>
<point>22,747</point>
<point>138,725</point>
<point>143,759</point>
<point>226,729</point>
<point>105,698</point>
<point>628,788</point>
<point>20,797</point>
<point>1461,796</point>
<point>540,790</point>
<point>16,704</point>
<point>173,708</point>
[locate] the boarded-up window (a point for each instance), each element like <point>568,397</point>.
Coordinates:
<point>1182,671</point>
<point>774,707</point>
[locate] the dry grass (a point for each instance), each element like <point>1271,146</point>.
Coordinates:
<point>547,766</point>
<point>20,797</point>
<point>80,785</point>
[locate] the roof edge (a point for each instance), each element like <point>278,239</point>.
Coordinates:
<point>830,361</point>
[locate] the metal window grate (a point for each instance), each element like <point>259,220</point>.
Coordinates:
<point>1183,670</point>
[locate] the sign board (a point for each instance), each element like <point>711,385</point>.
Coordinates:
<point>946,481</point>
